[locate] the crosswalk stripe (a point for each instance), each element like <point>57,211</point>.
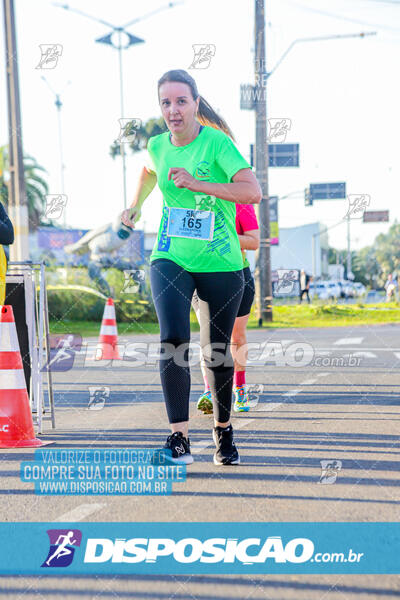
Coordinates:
<point>80,512</point>
<point>348,340</point>
<point>360,355</point>
<point>291,393</point>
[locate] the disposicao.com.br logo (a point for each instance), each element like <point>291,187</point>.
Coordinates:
<point>191,550</point>
<point>168,553</point>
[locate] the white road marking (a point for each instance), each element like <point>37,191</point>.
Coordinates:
<point>308,382</point>
<point>240,422</point>
<point>268,406</point>
<point>397,355</point>
<point>197,447</point>
<point>348,341</point>
<point>253,403</point>
<point>79,513</point>
<point>360,354</point>
<point>291,393</point>
<point>379,349</point>
<point>322,374</point>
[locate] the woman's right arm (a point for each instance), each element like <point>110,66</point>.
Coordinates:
<point>145,186</point>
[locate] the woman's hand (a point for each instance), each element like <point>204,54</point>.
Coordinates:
<point>129,216</point>
<point>183,179</point>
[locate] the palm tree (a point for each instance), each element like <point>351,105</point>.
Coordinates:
<point>36,187</point>
<point>143,133</point>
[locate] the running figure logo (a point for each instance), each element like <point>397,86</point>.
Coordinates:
<point>278,129</point>
<point>128,130</point>
<point>55,204</point>
<point>204,201</point>
<point>62,547</point>
<point>50,53</point>
<point>329,471</point>
<point>202,55</point>
<point>134,281</point>
<point>62,351</point>
<point>253,391</point>
<point>357,205</point>
<point>98,397</point>
<point>286,281</point>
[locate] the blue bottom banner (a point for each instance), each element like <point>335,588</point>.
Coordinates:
<point>175,548</point>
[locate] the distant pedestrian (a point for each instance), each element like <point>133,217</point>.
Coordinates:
<point>304,286</point>
<point>391,288</point>
<point>6,237</point>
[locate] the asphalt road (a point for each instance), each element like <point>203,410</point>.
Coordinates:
<point>323,394</point>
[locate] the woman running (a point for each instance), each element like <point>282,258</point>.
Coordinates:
<point>249,238</point>
<point>195,164</point>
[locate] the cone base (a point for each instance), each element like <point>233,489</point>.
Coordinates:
<point>107,352</point>
<point>33,443</point>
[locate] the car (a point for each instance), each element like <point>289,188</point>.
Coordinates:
<point>320,290</point>
<point>359,288</point>
<point>334,289</point>
<point>347,287</point>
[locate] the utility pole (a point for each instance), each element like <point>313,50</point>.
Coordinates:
<point>263,281</point>
<point>59,105</point>
<point>17,200</point>
<point>348,248</point>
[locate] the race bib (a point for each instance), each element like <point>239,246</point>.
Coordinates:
<point>193,224</point>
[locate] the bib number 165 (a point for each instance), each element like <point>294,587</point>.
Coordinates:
<point>190,221</point>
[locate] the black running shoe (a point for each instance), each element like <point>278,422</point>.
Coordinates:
<point>180,448</point>
<point>226,453</point>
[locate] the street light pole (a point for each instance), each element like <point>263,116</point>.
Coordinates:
<point>264,284</point>
<point>121,93</point>
<point>59,105</point>
<point>321,38</point>
<point>17,199</point>
<point>130,39</point>
<point>349,272</point>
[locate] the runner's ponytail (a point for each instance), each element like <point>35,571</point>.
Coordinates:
<point>206,115</point>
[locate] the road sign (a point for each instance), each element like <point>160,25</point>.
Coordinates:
<point>327,191</point>
<point>283,155</point>
<point>273,220</point>
<point>247,101</point>
<point>280,155</point>
<point>376,216</point>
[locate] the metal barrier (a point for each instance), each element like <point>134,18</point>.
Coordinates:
<point>32,277</point>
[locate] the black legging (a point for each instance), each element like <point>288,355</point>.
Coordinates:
<point>220,295</point>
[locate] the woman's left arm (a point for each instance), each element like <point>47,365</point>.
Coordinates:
<point>249,240</point>
<point>245,188</point>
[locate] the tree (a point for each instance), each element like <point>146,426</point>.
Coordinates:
<point>365,267</point>
<point>142,135</point>
<point>36,187</point>
<point>387,250</point>
<point>372,264</point>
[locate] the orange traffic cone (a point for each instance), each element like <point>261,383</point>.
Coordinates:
<point>16,425</point>
<point>107,348</point>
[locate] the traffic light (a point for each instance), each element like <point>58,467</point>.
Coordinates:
<point>307,197</point>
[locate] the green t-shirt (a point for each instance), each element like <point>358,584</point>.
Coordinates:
<point>211,156</point>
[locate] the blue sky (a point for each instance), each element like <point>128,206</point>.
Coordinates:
<point>342,97</point>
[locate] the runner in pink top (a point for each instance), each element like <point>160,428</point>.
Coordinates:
<point>249,238</point>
